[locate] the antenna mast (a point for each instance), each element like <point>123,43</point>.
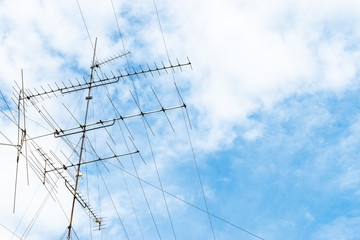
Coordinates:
<point>44,166</point>
<point>88,98</point>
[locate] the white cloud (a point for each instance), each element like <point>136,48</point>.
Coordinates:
<point>344,228</point>
<point>247,57</point>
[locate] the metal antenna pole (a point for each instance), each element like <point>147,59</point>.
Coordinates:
<point>24,131</point>
<point>88,98</point>
<point>18,151</point>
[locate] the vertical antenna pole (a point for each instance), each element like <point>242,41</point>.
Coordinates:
<point>21,141</point>
<point>18,153</point>
<point>82,141</point>
<point>16,175</point>
<point>24,131</point>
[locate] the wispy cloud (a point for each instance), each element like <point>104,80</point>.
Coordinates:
<point>272,101</point>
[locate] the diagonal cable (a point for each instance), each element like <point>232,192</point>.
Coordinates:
<point>160,182</point>
<point>187,129</point>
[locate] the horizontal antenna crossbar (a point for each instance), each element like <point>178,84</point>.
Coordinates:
<point>79,129</point>
<point>105,81</point>
<point>92,161</point>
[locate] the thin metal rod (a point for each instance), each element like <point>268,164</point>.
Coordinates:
<point>8,106</point>
<point>105,81</point>
<point>18,153</point>
<point>8,144</point>
<point>92,161</point>
<point>72,114</point>
<point>82,142</point>
<point>115,109</point>
<point>115,155</point>
<point>68,184</point>
<point>26,151</point>
<point>163,109</point>
<point>62,131</point>
<point>97,64</point>
<point>141,112</point>
<point>182,100</point>
<point>16,176</point>
<point>8,117</point>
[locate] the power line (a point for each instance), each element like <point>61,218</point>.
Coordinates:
<point>188,203</point>
<point>112,201</point>
<point>187,129</point>
<point>160,182</point>
<point>87,30</point>
<point>14,234</point>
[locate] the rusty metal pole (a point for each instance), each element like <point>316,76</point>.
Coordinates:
<point>88,98</point>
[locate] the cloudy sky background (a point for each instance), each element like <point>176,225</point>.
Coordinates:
<point>272,98</point>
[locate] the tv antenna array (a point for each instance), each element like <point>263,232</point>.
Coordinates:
<point>49,167</point>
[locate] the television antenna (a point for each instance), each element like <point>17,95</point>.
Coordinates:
<point>48,167</point>
<point>79,151</point>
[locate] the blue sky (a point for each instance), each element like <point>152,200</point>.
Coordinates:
<point>273,99</point>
